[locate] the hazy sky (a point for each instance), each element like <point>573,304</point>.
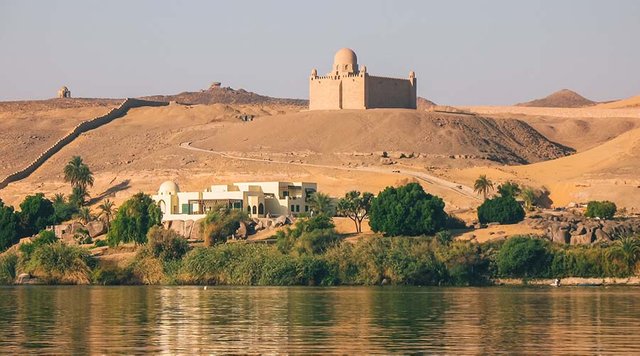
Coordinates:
<point>463,52</point>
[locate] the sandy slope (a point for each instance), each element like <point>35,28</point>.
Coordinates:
<point>142,149</point>
<point>632,102</point>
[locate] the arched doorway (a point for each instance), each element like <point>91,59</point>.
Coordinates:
<point>254,210</point>
<point>260,209</point>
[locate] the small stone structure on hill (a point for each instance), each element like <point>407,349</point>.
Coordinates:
<point>350,86</point>
<point>64,92</point>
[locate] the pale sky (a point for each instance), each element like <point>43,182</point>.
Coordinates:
<point>463,52</point>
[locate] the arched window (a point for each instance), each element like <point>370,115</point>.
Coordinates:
<point>254,209</point>
<point>261,209</point>
<point>163,206</point>
<point>249,209</point>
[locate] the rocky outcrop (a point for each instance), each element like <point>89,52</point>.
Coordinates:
<point>574,229</point>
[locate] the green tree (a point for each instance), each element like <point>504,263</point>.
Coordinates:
<point>509,189</point>
<point>321,203</point>
<point>503,210</point>
<point>407,210</point>
<point>78,173</point>
<point>221,223</point>
<point>133,220</point>
<point>627,250</point>
<point>36,213</point>
<point>522,256</point>
<point>84,215</point>
<point>107,210</point>
<point>355,206</point>
<point>601,209</point>
<point>63,210</point>
<point>78,196</point>
<point>9,224</point>
<point>483,185</point>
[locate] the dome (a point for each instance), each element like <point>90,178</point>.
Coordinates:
<point>345,56</point>
<point>168,187</point>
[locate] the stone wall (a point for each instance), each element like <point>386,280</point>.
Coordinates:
<point>324,94</point>
<point>385,92</point>
<point>77,131</point>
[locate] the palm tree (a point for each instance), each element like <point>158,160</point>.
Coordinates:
<point>58,199</point>
<point>78,173</point>
<point>84,215</point>
<point>78,196</point>
<point>627,249</point>
<point>321,203</point>
<point>483,185</point>
<point>107,210</point>
<point>528,196</point>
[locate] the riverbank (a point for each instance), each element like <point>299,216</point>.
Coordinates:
<point>569,281</point>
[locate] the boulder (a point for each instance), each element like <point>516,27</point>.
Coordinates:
<point>242,231</point>
<point>96,228</point>
<point>584,239</point>
<point>602,236</point>
<point>281,221</point>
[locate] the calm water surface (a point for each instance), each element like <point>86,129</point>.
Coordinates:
<point>348,320</point>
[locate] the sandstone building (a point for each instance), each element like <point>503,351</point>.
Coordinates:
<point>349,86</point>
<point>258,199</point>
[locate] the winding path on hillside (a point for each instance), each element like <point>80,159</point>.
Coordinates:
<point>443,183</point>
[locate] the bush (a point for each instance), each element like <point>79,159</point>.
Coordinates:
<point>58,263</point>
<point>407,210</point>
<point>522,256</point>
<point>166,244</point>
<point>503,210</point>
<point>601,209</point>
<point>309,235</point>
<point>134,219</point>
<point>100,243</point>
<point>221,223</point>
<point>8,265</point>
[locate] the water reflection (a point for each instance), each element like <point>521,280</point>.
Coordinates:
<point>170,320</point>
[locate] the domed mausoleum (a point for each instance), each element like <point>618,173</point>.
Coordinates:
<point>349,86</point>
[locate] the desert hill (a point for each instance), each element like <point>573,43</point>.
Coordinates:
<point>426,133</point>
<point>225,95</point>
<point>564,98</point>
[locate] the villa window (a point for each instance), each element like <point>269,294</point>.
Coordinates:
<point>293,207</point>
<point>297,208</point>
<point>255,210</point>
<point>261,209</point>
<point>306,208</point>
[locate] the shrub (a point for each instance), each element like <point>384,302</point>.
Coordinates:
<point>510,189</point>
<point>309,235</point>
<point>522,256</point>
<point>100,243</point>
<point>8,265</point>
<point>503,210</point>
<point>133,220</point>
<point>407,210</point>
<point>601,209</point>
<point>221,223</point>
<point>467,264</point>
<point>60,263</point>
<point>166,244</point>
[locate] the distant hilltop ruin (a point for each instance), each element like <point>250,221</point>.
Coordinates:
<point>64,92</point>
<point>349,86</point>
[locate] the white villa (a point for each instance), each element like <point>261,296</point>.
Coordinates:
<point>258,199</point>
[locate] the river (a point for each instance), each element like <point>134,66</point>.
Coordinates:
<point>346,320</point>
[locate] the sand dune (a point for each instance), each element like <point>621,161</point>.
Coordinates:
<point>632,102</point>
